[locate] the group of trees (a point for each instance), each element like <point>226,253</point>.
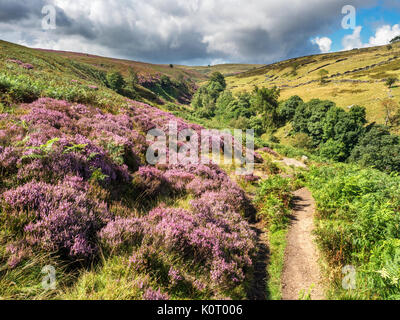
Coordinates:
<point>116,82</point>
<point>258,110</point>
<point>343,136</point>
<point>318,125</point>
<point>165,87</point>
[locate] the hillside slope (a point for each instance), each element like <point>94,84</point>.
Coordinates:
<point>77,194</point>
<point>55,69</point>
<point>354,77</point>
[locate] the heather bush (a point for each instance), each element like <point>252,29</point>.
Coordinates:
<point>69,155</point>
<point>122,232</point>
<point>151,181</point>
<point>219,239</point>
<point>59,218</point>
<point>152,294</point>
<point>72,178</point>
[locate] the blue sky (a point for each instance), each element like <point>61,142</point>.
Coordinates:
<point>370,19</point>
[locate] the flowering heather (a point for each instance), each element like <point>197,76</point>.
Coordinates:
<point>220,240</point>
<point>44,116</point>
<point>121,232</point>
<point>178,179</point>
<point>62,217</point>
<point>27,66</point>
<point>17,252</point>
<point>67,163</point>
<point>151,181</point>
<point>251,178</point>
<point>151,294</point>
<point>71,155</point>
<point>22,64</point>
<point>175,276</point>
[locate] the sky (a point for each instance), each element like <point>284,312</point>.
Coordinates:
<point>200,32</point>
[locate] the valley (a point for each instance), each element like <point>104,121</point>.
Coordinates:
<point>78,194</point>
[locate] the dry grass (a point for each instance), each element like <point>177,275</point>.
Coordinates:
<point>369,94</point>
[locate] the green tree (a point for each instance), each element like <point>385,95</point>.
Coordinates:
<point>204,100</point>
<point>323,73</point>
<point>265,102</point>
<point>133,78</point>
<point>223,102</point>
<point>288,108</point>
<point>333,149</point>
<point>344,127</point>
<point>391,81</point>
<point>115,81</point>
<point>217,77</point>
<point>379,149</point>
<point>309,118</point>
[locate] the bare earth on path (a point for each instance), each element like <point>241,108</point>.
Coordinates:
<point>301,270</point>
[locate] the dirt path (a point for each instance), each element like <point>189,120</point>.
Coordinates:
<point>301,269</point>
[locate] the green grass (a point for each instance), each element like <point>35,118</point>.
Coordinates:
<point>68,76</point>
<point>274,203</point>
<point>277,247</point>
<point>358,224</point>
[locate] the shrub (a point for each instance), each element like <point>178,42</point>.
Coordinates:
<point>378,149</point>
<point>358,225</point>
<point>288,108</point>
<point>275,197</point>
<point>391,81</point>
<point>61,217</point>
<point>115,81</point>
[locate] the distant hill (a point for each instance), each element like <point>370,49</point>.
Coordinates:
<point>354,77</point>
<point>62,66</point>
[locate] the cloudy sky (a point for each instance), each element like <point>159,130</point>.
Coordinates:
<point>199,32</point>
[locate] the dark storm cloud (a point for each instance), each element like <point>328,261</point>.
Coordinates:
<point>175,31</point>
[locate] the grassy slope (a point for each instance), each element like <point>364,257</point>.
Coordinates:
<point>339,89</point>
<point>52,76</point>
<point>225,69</point>
<point>142,68</point>
<point>198,74</point>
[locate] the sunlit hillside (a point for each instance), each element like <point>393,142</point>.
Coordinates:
<point>354,77</point>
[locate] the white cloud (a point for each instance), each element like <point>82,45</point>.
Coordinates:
<point>174,31</point>
<point>353,40</point>
<point>323,43</point>
<point>384,34</point>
